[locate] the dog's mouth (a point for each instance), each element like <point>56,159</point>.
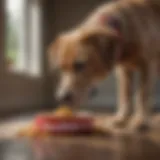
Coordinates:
<point>81,97</point>
<point>76,97</point>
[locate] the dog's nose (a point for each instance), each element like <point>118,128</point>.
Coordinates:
<point>67,98</point>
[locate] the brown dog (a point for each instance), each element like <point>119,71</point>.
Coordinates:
<point>123,35</point>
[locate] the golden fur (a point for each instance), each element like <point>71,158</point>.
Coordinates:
<point>133,47</point>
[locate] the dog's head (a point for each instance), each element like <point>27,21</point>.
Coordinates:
<point>83,57</point>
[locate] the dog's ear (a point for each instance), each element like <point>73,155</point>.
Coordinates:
<point>112,21</point>
<point>52,54</point>
<point>106,42</point>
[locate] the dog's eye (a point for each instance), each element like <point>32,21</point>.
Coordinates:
<point>79,66</point>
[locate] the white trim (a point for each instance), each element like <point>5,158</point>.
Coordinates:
<point>21,65</point>
<point>29,59</point>
<point>35,60</point>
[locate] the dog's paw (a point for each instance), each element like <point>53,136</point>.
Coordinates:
<point>118,121</point>
<point>138,123</point>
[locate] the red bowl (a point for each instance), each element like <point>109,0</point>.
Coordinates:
<point>53,124</point>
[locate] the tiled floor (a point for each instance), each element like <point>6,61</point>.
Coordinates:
<point>145,146</point>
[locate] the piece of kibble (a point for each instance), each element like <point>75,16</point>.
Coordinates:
<point>63,111</point>
<point>29,131</point>
<point>33,132</point>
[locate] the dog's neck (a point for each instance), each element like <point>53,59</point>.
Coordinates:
<point>114,23</point>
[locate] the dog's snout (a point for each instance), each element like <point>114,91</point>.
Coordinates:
<point>67,98</point>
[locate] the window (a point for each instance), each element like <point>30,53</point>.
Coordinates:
<point>22,85</point>
<point>23,36</point>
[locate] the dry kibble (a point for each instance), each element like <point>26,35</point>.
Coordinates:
<point>63,111</point>
<point>33,132</point>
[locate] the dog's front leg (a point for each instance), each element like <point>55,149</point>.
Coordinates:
<point>124,80</point>
<point>144,97</point>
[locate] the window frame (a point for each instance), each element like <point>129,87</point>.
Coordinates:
<point>18,91</point>
<point>30,54</point>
